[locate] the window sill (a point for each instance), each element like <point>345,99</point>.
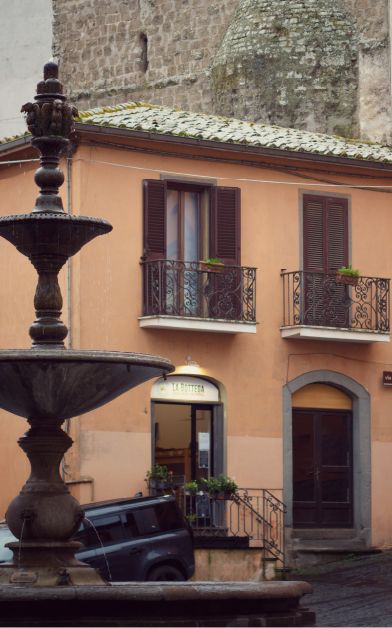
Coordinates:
<point>310,332</point>
<point>183,323</point>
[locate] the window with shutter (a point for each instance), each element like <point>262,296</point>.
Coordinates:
<point>325,233</point>
<point>185,223</point>
<point>325,222</point>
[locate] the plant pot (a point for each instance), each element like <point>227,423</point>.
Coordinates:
<point>153,483</point>
<point>348,280</point>
<point>162,484</point>
<point>227,495</point>
<point>214,494</point>
<point>206,267</point>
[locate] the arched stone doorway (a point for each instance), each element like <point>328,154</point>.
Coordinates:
<point>361,446</point>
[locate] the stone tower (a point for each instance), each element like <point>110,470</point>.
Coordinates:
<point>289,63</point>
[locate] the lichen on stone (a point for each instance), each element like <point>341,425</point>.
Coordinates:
<point>276,51</point>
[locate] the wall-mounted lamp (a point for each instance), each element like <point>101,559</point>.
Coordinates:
<point>190,362</point>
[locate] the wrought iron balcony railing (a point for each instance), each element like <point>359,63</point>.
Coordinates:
<point>249,517</point>
<point>319,299</point>
<point>173,288</point>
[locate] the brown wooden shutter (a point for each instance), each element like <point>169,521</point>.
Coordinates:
<point>325,222</point>
<point>325,233</point>
<point>337,229</point>
<point>154,246</point>
<point>314,234</point>
<point>226,226</point>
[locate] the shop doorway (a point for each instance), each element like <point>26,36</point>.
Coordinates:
<point>184,439</point>
<point>187,427</point>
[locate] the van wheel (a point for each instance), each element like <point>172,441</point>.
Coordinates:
<point>165,573</point>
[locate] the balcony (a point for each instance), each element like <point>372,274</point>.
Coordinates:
<point>317,307</point>
<point>181,295</point>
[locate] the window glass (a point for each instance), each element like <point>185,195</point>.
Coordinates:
<point>130,526</point>
<point>146,521</point>
<point>109,529</point>
<point>191,226</point>
<point>172,224</point>
<point>168,517</point>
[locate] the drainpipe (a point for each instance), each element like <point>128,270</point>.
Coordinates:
<point>69,259</point>
<point>66,426</point>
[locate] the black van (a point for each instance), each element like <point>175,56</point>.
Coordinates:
<point>137,539</point>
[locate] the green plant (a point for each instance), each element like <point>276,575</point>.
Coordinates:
<point>349,271</point>
<point>159,473</point>
<point>192,487</point>
<point>212,261</point>
<point>214,485</point>
<point>191,518</point>
<point>203,484</point>
<point>227,485</point>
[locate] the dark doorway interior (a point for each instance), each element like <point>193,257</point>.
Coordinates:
<point>322,468</point>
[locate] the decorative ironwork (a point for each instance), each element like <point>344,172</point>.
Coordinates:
<point>173,288</point>
<point>250,516</point>
<point>311,298</point>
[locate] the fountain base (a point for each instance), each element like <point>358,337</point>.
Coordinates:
<point>47,564</point>
<point>159,604</point>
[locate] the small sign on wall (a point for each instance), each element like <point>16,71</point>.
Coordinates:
<point>387,378</point>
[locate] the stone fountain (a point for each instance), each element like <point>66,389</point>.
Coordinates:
<point>44,584</point>
<point>48,384</point>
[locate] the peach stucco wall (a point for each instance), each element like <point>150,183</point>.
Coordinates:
<point>112,444</point>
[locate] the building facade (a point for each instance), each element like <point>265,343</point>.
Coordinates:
<point>279,365</point>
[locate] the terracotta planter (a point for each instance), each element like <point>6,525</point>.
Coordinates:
<point>206,267</point>
<point>349,280</point>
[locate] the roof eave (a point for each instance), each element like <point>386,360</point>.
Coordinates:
<point>95,129</point>
<point>231,147</point>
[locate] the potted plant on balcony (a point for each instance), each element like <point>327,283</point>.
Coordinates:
<point>192,487</point>
<point>211,265</point>
<point>214,487</point>
<point>203,485</point>
<point>228,487</point>
<point>347,276</point>
<point>157,476</point>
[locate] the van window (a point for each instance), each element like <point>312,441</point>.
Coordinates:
<point>109,529</point>
<point>140,522</point>
<point>146,520</point>
<point>130,525</point>
<point>168,516</point>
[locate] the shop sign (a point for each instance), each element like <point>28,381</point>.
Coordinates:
<point>387,378</point>
<point>184,388</point>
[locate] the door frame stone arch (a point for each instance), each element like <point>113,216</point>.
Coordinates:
<point>361,445</point>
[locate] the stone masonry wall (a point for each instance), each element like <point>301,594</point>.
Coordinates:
<point>327,61</point>
<point>99,44</point>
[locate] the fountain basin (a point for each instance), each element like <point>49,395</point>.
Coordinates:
<point>47,234</point>
<point>58,384</point>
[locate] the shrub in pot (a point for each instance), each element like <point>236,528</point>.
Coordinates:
<point>228,486</point>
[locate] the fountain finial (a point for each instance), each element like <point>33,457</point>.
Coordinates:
<point>50,120</point>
